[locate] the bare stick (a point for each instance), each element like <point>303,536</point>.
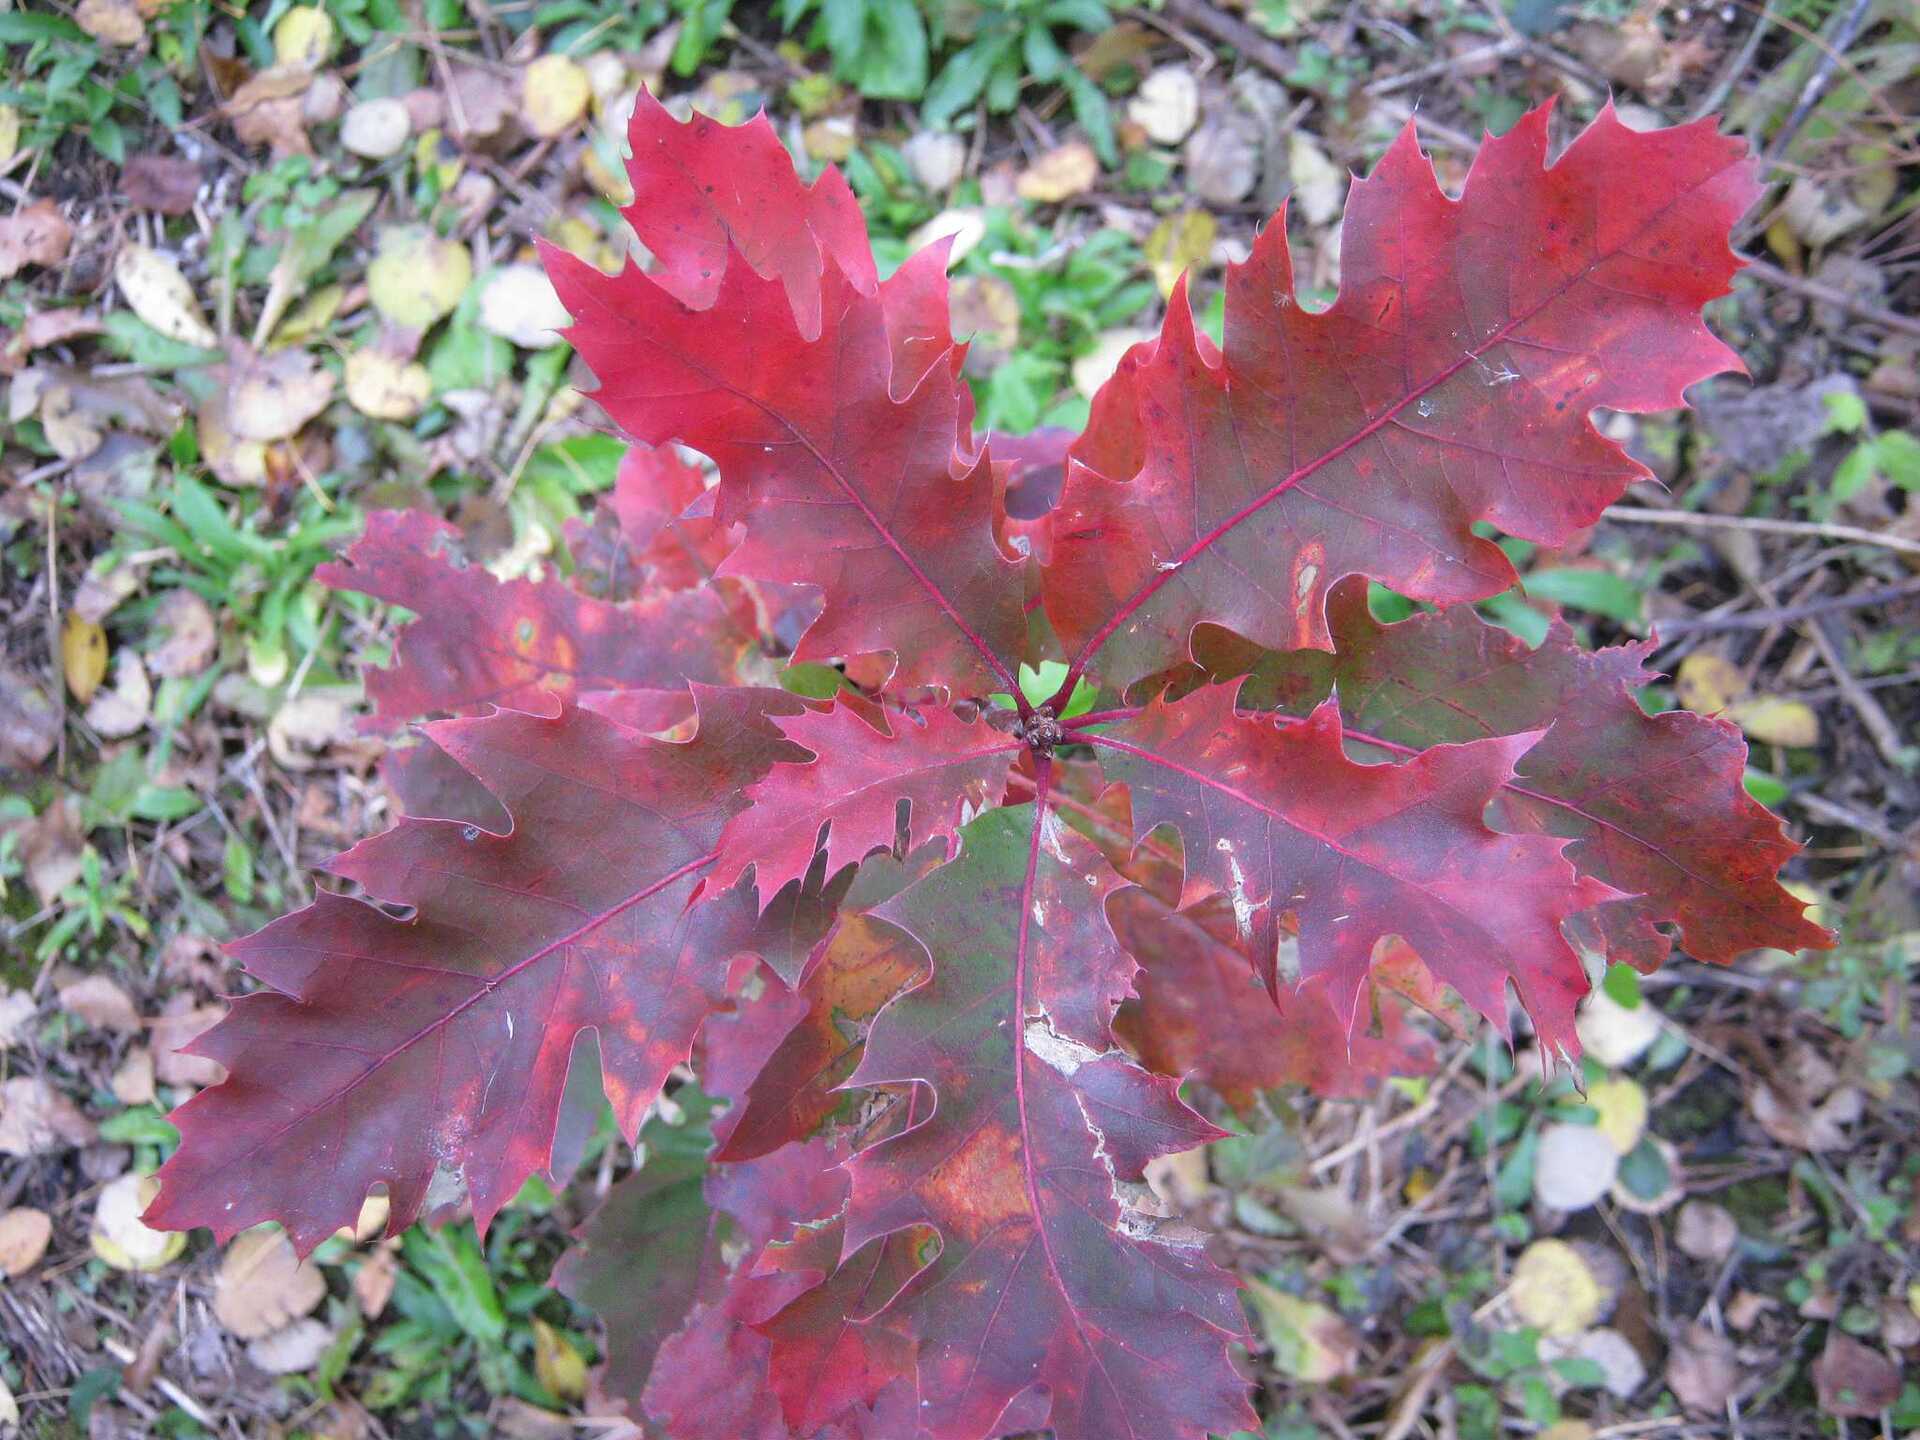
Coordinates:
<point>1686,519</point>
<point>1828,295</point>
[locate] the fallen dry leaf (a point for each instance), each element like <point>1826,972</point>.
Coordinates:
<point>1309,1341</point>
<point>1554,1289</point>
<point>1706,1231</point>
<point>160,295</point>
<point>416,277</point>
<point>36,235</point>
<point>1179,244</point>
<point>1854,1380</point>
<point>1060,174</point>
<point>269,110</point>
<point>24,1233</point>
<point>554,95</point>
<point>188,624</point>
<point>373,1282</point>
<point>1622,1107</point>
<point>1167,104</point>
<point>43,328</point>
<point>387,388</point>
<point>118,1235</point>
<point>167,184</point>
<point>1702,1370</point>
<point>376,129</point>
<point>36,1119</point>
<point>115,22</point>
<point>16,1014</point>
<point>29,721</point>
<point>132,1082</point>
<point>518,303</point>
<point>304,36</point>
<point>83,656</point>
<point>269,397</point>
<point>1772,720</point>
<point>263,1286</point>
<point>307,724</point>
<point>1803,1105</point>
<point>291,1351</point>
<point>1574,1166</point>
<point>101,1002</point>
<point>557,1364</point>
<point>179,1024</point>
<point>126,706</point>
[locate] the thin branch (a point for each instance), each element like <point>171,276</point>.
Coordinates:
<point>1788,614</point>
<point>1687,519</point>
<point>1828,295</point>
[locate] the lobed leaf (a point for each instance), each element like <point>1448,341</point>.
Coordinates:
<point>941,768</point>
<point>521,644</point>
<point>831,403</point>
<point>1279,820</point>
<point>1054,1298</point>
<point>1450,384</point>
<point>389,1049</point>
<point>1654,805</point>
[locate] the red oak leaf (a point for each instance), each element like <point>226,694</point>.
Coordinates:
<point>704,192</point>
<point>641,535</point>
<point>864,965</point>
<point>944,769</point>
<point>829,1356</point>
<point>389,1048</point>
<point>1279,820</point>
<point>641,1256</point>
<point>1450,383</point>
<point>520,643</point>
<point>838,439</point>
<point>1053,1298</point>
<point>1203,1014</point>
<point>1654,804</point>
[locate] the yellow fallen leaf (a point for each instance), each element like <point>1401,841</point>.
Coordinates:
<point>1554,1290</point>
<point>1622,1107</point>
<point>1060,174</point>
<point>384,388</point>
<point>311,316</point>
<point>83,655</point>
<point>9,133</point>
<point>160,295</point>
<point>554,94</point>
<point>557,1364</point>
<point>304,36</point>
<point>1773,721</point>
<point>120,1238</point>
<point>1178,244</point>
<point>1707,684</point>
<point>1310,1342</point>
<point>417,277</point>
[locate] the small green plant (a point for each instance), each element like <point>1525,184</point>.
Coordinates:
<point>1005,42</point>
<point>92,904</point>
<point>1069,295</point>
<point>878,46</point>
<point>59,82</point>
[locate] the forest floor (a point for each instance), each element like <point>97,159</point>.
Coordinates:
<point>201,408</point>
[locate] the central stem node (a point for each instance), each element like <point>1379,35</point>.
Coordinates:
<point>1042,731</point>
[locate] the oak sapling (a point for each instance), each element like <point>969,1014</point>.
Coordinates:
<point>941,952</point>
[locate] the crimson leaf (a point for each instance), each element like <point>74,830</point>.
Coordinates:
<point>388,1049</point>
<point>923,1212</point>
